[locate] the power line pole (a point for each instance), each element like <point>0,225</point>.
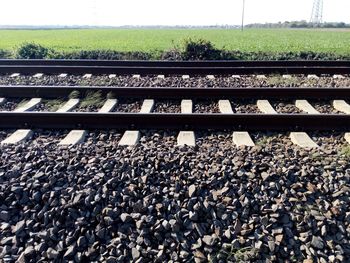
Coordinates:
<point>243,15</point>
<point>317,12</point>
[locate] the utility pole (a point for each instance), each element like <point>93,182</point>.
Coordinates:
<point>317,12</point>
<point>243,15</point>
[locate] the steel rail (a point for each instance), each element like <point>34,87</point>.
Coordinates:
<point>167,70</point>
<point>212,63</point>
<point>78,120</point>
<point>51,92</point>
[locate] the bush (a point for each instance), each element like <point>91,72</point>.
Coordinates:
<point>199,49</point>
<point>4,54</point>
<point>32,51</point>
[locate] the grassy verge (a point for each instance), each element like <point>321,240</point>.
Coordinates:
<point>146,44</point>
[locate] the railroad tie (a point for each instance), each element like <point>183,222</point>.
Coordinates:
<point>69,105</point>
<point>130,137</point>
<point>78,136</point>
<point>22,134</point>
<point>87,76</point>
<point>2,101</point>
<point>186,137</point>
<point>312,76</point>
<point>239,138</point>
<point>305,106</point>
<point>302,139</point>
<point>38,75</point>
<point>265,107</point>
<point>75,136</point>
<point>261,77</point>
<point>15,75</point>
<point>338,77</point>
<point>29,105</point>
<point>343,106</point>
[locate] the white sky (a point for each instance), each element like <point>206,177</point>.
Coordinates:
<point>163,12</point>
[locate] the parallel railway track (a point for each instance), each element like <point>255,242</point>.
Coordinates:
<point>120,120</point>
<point>173,67</point>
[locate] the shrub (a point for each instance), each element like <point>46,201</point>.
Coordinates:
<point>32,51</point>
<point>199,49</point>
<point>4,54</point>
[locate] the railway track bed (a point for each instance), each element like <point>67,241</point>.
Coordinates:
<point>222,173</point>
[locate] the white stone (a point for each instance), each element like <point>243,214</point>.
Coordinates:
<point>242,138</point>
<point>261,77</point>
<point>18,136</point>
<point>147,106</point>
<point>63,75</point>
<point>130,138</point>
<point>87,76</point>
<point>69,105</point>
<point>185,76</point>
<point>312,76</point>
<point>29,105</point>
<point>341,106</point>
<point>108,106</point>
<point>38,75</point>
<point>15,75</point>
<point>303,140</point>
<point>236,76</point>
<point>305,106</point>
<point>225,107</point>
<point>338,77</point>
<point>186,138</point>
<point>161,76</point>
<point>186,106</point>
<point>2,101</point>
<point>286,76</point>
<point>265,107</point>
<point>111,76</point>
<point>210,77</point>
<point>74,137</point>
<point>136,76</point>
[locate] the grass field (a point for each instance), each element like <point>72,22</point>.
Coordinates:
<point>149,40</point>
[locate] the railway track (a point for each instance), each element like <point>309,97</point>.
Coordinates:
<point>173,67</point>
<point>97,201</point>
<point>266,118</point>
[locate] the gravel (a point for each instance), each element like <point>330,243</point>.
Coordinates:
<point>169,106</point>
<point>285,106</point>
<point>206,106</point>
<point>244,106</point>
<point>158,202</point>
<point>177,81</point>
<point>10,104</point>
<point>324,107</point>
<point>128,105</point>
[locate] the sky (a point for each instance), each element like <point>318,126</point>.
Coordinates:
<point>163,12</point>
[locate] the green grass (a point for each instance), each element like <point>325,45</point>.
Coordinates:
<point>152,40</point>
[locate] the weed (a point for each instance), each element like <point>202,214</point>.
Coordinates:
<point>74,95</point>
<point>92,99</point>
<point>53,105</point>
<point>346,151</point>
